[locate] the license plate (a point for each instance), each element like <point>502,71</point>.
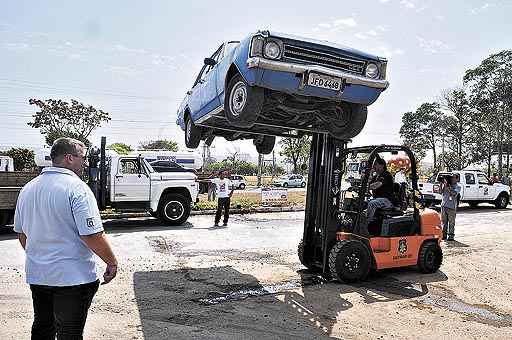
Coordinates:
<point>325,82</point>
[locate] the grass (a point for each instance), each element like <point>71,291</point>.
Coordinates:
<point>247,200</point>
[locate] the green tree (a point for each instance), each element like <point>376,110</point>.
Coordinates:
<point>57,118</point>
<point>490,85</point>
<point>23,158</point>
<point>120,148</point>
<point>295,151</point>
<point>160,144</point>
<point>421,129</point>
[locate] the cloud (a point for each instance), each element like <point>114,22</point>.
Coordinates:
<point>433,45</point>
<point>407,4</point>
<point>325,25</point>
<point>384,1</point>
<point>372,33</point>
<point>348,22</point>
<point>361,36</point>
<point>480,9</point>
<point>16,47</point>
<point>123,49</point>
<point>122,70</point>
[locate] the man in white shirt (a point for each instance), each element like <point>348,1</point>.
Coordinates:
<point>400,176</point>
<point>60,229</point>
<point>224,190</point>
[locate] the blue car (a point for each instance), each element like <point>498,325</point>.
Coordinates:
<point>274,84</point>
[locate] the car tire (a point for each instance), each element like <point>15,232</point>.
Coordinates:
<point>241,186</point>
<point>430,257</point>
<point>349,120</point>
<point>192,134</point>
<point>242,103</point>
<point>6,216</point>
<point>303,185</point>
<point>349,261</point>
<point>174,209</point>
<point>502,201</point>
<point>473,205</point>
<point>264,145</point>
<point>285,185</point>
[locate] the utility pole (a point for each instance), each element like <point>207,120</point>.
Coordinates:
<point>273,164</point>
<point>260,168</point>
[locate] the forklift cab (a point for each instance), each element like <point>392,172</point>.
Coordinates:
<point>338,239</point>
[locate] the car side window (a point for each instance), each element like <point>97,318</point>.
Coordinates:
<point>201,75</point>
<point>129,166</point>
<point>470,179</point>
<point>482,179</point>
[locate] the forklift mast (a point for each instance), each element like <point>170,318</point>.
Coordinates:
<point>322,199</point>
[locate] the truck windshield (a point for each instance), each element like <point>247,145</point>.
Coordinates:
<point>148,166</point>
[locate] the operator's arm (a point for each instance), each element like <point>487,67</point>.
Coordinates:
<point>23,239</point>
<point>100,245</point>
<point>375,185</point>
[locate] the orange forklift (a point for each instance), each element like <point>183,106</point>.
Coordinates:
<point>338,239</point>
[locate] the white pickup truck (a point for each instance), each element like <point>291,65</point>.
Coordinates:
<point>133,184</point>
<point>475,188</point>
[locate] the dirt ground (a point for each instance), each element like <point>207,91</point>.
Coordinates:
<point>245,282</point>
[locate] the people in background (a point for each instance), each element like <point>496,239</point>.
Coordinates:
<point>400,176</point>
<point>450,190</point>
<point>224,190</point>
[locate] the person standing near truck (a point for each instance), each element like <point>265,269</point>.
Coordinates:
<point>60,229</point>
<point>450,190</point>
<point>224,189</point>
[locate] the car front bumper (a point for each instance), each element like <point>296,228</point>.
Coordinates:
<point>349,78</point>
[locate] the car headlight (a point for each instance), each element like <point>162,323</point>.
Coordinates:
<point>372,70</point>
<point>272,50</point>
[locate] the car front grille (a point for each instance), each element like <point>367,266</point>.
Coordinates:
<point>316,57</point>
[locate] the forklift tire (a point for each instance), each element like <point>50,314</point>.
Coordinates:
<point>243,102</point>
<point>174,209</point>
<point>502,201</point>
<point>6,216</point>
<point>430,257</point>
<point>348,120</point>
<point>300,253</point>
<point>349,261</point>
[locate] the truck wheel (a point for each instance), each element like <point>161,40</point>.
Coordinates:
<point>243,102</point>
<point>349,261</point>
<point>502,201</point>
<point>473,205</point>
<point>265,144</point>
<point>192,134</point>
<point>174,209</point>
<point>348,120</point>
<point>430,257</point>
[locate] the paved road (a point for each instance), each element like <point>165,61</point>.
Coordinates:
<point>244,281</point>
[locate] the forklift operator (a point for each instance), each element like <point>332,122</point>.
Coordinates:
<point>381,185</point>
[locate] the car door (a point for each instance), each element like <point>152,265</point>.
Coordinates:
<point>195,95</point>
<point>209,96</point>
<point>470,187</point>
<point>223,66</point>
<point>131,183</point>
<point>485,188</point>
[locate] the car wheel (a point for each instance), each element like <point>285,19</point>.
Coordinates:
<point>243,102</point>
<point>303,185</point>
<point>174,209</point>
<point>265,144</point>
<point>473,205</point>
<point>285,185</point>
<point>192,134</point>
<point>502,201</point>
<point>349,261</point>
<point>430,257</point>
<point>241,186</point>
<point>348,120</point>
<point>6,216</point>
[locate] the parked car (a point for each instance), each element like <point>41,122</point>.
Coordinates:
<point>238,181</point>
<point>475,186</point>
<point>290,181</point>
<point>168,166</point>
<point>276,84</point>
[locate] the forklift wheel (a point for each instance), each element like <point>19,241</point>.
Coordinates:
<point>430,257</point>
<point>349,261</point>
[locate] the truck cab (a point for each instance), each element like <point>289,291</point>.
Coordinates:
<point>134,185</point>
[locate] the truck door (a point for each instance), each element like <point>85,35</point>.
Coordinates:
<point>131,183</point>
<point>486,190</point>
<point>470,187</point>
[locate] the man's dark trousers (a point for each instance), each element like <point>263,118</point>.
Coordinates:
<point>61,310</point>
<point>223,203</point>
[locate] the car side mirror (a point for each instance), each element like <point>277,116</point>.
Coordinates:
<point>209,61</point>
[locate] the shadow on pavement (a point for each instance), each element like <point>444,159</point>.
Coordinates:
<point>223,303</point>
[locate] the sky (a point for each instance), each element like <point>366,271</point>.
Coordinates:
<point>137,59</point>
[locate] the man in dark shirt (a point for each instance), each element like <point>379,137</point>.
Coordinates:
<point>382,188</point>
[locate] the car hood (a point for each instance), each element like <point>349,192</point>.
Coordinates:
<point>501,186</point>
<point>169,176</point>
<point>348,49</point>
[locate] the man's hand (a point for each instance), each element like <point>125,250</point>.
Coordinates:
<point>110,273</point>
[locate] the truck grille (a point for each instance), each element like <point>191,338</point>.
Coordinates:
<point>309,56</point>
